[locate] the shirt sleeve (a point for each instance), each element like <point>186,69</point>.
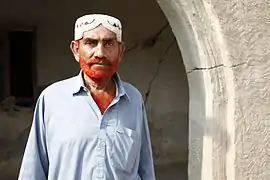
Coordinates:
<point>35,160</point>
<point>146,165</point>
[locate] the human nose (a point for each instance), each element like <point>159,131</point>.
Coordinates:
<point>100,51</point>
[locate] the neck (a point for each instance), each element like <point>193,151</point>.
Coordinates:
<point>92,84</point>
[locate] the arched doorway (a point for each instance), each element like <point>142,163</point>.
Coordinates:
<point>153,63</point>
<point>211,88</point>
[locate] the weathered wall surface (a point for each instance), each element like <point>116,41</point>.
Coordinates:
<point>164,77</point>
<point>229,135</point>
<point>246,29</point>
<point>152,63</point>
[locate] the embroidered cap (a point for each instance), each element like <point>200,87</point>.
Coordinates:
<point>89,22</point>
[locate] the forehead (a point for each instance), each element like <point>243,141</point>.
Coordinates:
<point>99,33</point>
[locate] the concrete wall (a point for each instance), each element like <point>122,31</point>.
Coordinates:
<point>152,63</point>
<point>226,50</point>
<point>247,38</point>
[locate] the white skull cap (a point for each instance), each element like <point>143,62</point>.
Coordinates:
<point>91,21</point>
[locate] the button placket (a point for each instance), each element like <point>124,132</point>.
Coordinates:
<point>101,146</point>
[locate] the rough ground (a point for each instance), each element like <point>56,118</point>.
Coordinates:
<point>172,172</point>
<point>169,172</point>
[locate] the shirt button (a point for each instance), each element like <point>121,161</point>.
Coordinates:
<point>99,163</point>
<point>102,143</point>
<point>100,174</point>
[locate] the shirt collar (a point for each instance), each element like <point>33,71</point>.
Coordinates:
<point>80,86</point>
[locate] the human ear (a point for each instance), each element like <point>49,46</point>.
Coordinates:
<point>74,47</point>
<point>121,50</point>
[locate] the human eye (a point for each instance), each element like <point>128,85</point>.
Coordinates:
<point>91,42</point>
<point>109,42</point>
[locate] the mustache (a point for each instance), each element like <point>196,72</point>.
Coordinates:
<point>101,61</point>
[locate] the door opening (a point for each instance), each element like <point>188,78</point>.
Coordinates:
<point>21,66</point>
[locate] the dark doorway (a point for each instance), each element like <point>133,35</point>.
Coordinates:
<point>2,68</point>
<point>21,64</point>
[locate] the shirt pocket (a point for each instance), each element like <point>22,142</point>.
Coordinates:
<point>125,149</point>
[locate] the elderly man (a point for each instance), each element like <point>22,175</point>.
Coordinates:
<point>91,126</point>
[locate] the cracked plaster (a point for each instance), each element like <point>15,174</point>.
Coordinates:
<point>214,67</point>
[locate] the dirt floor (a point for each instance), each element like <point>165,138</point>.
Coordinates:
<point>169,172</point>
<point>172,172</point>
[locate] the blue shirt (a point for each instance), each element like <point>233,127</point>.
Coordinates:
<point>71,140</point>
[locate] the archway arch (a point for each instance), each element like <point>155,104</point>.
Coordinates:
<point>211,88</point>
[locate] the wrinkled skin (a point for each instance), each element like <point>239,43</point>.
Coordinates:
<point>99,54</point>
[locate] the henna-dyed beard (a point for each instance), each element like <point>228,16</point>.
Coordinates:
<point>98,72</point>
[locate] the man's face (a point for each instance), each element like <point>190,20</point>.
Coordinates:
<point>98,53</point>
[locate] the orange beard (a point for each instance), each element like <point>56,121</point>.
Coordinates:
<point>103,100</point>
<point>98,72</point>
